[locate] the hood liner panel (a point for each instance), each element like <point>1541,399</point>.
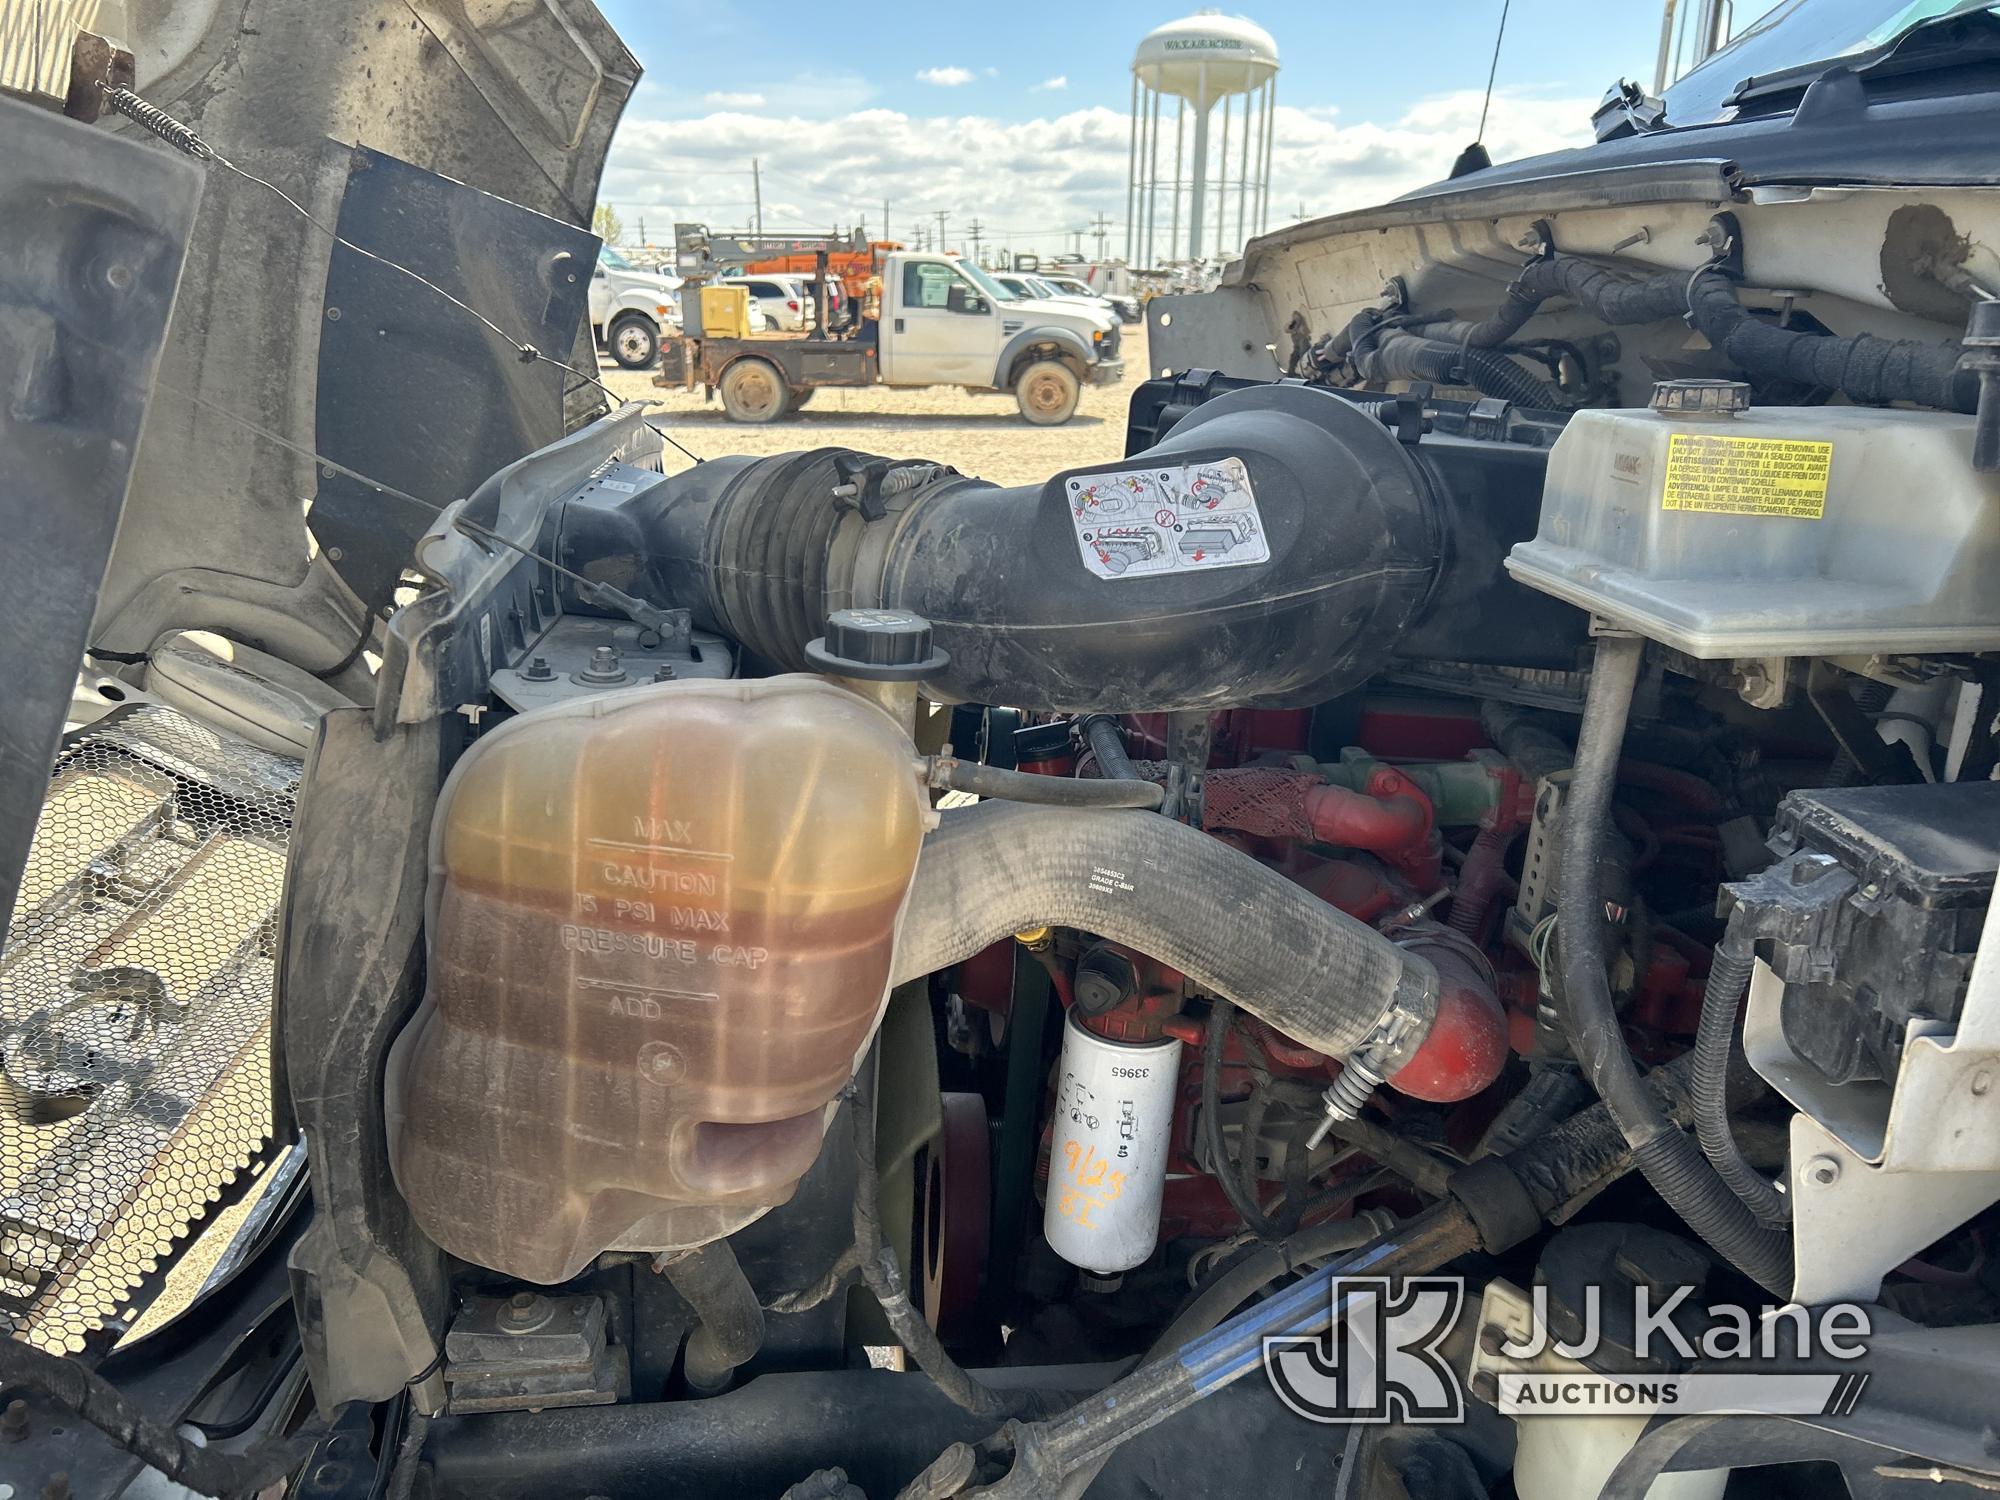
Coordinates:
<point>416,392</point>
<point>97,229</point>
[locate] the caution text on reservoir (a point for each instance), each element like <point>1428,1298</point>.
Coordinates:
<point>1746,476</point>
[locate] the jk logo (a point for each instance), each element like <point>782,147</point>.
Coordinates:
<point>1378,1361</point>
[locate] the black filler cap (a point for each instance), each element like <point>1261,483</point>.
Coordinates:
<point>877,645</point>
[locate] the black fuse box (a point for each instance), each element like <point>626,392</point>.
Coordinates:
<point>1872,914</point>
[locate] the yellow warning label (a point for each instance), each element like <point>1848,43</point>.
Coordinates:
<point>1746,476</point>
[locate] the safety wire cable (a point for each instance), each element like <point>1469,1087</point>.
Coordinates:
<point>182,137</point>
<point>647,616</point>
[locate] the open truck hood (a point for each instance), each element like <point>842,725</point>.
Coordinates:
<point>1846,180</point>
<point>85,291</point>
<point>462,139</point>
<point>513,98</point>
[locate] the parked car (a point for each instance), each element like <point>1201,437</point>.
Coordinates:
<point>1039,287</point>
<point>1127,308</point>
<point>786,302</point>
<point>1018,284</point>
<point>629,308</point>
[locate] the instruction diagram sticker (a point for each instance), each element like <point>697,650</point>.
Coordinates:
<point>1137,523</point>
<point>1746,476</point>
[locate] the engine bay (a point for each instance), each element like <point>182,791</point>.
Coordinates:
<point>1422,931</point>
<point>1213,928</point>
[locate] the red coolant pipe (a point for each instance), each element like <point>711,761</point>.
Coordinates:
<point>1356,820</point>
<point>1467,1044</point>
<point>1391,818</point>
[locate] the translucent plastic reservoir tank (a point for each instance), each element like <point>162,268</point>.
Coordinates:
<point>1774,531</point>
<point>661,929</point>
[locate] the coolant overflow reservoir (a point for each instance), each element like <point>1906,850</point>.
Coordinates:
<point>661,927</point>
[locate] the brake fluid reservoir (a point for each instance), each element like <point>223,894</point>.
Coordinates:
<point>1727,530</point>
<point>661,926</point>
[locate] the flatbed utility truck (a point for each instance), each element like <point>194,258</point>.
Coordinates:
<point>943,321</point>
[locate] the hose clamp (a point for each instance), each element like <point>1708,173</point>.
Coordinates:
<point>1365,1069</point>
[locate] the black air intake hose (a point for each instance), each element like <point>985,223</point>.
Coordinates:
<point>1232,925</point>
<point>762,551</point>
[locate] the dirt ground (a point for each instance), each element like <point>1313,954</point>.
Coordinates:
<point>980,435</point>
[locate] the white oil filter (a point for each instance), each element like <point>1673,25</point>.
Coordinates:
<point>1108,1164</point>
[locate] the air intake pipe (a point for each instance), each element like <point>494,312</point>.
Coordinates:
<point>1346,527</point>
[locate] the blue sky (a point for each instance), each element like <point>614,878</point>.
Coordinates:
<point>1015,114</point>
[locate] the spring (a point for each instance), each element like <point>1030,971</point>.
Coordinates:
<point>159,122</point>
<point>1348,1093</point>
<point>908,477</point>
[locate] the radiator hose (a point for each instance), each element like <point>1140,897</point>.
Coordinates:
<point>1234,926</point>
<point>1670,1161</point>
<point>730,1329</point>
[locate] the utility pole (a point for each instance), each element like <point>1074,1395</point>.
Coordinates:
<point>972,233</point>
<point>757,191</point>
<point>1101,226</point>
<point>942,215</point>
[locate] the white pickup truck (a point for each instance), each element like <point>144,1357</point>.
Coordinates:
<point>944,322</point>
<point>630,309</point>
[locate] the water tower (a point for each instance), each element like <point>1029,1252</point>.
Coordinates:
<point>1205,60</point>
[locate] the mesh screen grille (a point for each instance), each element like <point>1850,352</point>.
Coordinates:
<point>135,1011</point>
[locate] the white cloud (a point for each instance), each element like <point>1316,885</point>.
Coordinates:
<point>1051,85</point>
<point>945,78</point>
<point>723,99</point>
<point>1028,181</point>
